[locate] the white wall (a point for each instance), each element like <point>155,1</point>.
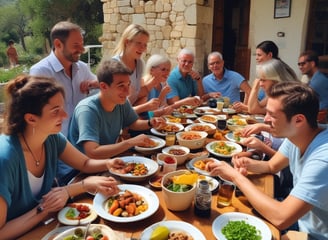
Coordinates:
<point>263,26</point>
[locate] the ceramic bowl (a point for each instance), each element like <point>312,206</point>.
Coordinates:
<point>177,201</point>
<point>176,151</point>
<point>189,140</point>
<point>204,127</point>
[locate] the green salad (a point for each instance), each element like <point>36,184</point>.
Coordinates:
<point>240,230</point>
<point>179,187</point>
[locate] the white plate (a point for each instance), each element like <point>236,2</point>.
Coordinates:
<point>174,226</point>
<point>163,134</point>
<point>230,137</point>
<point>64,220</point>
<point>206,110</point>
<point>188,120</point>
<point>179,113</point>
<point>229,110</point>
<point>238,148</point>
<point>151,165</point>
<point>212,182</point>
<point>99,204</point>
<point>224,218</point>
<point>55,232</point>
<point>204,120</point>
<point>160,143</point>
<point>105,230</point>
<point>190,165</point>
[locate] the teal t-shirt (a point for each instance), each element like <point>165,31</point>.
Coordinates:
<point>180,86</point>
<point>14,183</point>
<point>90,122</point>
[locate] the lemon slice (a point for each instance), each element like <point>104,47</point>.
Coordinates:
<point>160,233</point>
<point>185,179</point>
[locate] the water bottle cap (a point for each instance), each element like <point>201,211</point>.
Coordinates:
<point>203,184</point>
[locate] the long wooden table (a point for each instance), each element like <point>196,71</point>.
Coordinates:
<point>264,182</point>
<point>239,204</point>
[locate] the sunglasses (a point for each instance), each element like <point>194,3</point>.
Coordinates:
<point>301,64</point>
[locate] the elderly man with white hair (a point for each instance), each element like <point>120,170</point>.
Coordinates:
<point>184,80</point>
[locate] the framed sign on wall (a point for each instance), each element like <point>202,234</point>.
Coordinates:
<point>282,8</point>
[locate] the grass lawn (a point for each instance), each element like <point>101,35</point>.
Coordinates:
<point>8,74</point>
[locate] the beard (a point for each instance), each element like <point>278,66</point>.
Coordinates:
<point>72,57</point>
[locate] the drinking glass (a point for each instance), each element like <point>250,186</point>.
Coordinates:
<point>222,124</point>
<point>225,193</point>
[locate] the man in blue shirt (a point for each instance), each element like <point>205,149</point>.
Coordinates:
<point>184,81</point>
<point>98,120</point>
<point>308,65</point>
<point>292,109</point>
<point>225,83</point>
<point>63,64</point>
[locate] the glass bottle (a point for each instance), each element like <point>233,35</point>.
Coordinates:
<point>203,198</point>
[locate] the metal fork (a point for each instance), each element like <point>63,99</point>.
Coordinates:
<point>86,231</point>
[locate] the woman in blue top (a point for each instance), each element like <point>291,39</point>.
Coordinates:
<point>30,147</point>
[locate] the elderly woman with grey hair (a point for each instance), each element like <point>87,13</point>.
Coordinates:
<point>154,86</point>
<point>267,74</point>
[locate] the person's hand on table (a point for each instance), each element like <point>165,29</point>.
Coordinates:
<point>157,122</point>
<point>240,107</point>
<point>115,163</point>
<point>254,129</point>
<point>167,110</point>
<point>193,101</point>
<point>221,169</point>
<point>140,140</point>
<point>54,200</point>
<point>241,163</point>
<point>253,142</point>
<point>102,184</point>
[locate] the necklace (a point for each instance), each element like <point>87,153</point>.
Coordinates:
<point>37,161</point>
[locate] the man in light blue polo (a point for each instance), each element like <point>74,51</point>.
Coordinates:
<point>225,82</point>
<point>63,64</point>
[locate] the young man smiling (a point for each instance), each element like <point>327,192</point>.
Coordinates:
<point>98,120</point>
<point>292,109</point>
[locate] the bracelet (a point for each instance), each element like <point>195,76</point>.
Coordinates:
<point>69,195</point>
<point>197,79</point>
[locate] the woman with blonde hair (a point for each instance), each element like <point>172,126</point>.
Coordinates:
<point>267,74</point>
<point>129,50</point>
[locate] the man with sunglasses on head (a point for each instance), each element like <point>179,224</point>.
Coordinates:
<point>308,63</point>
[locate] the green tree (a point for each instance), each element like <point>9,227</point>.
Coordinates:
<point>13,24</point>
<point>44,14</point>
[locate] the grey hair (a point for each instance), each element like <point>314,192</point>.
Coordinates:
<point>186,51</point>
<point>274,70</point>
<point>214,54</point>
<point>154,61</point>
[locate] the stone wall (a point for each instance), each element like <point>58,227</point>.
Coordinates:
<point>172,24</point>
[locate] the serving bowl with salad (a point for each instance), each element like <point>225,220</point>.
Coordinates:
<point>178,188</point>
